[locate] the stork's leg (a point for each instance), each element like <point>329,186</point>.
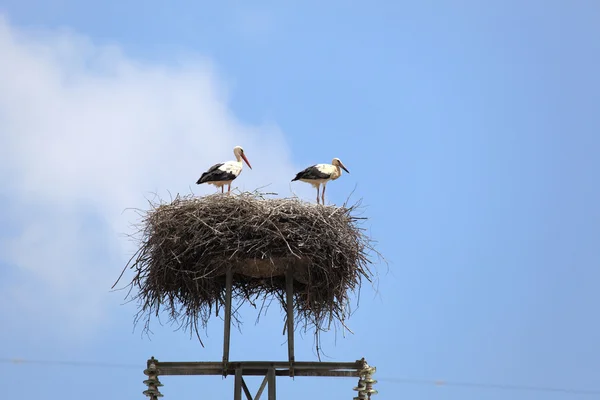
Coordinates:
<point>222,189</point>
<point>323,196</point>
<point>229,188</point>
<point>318,187</point>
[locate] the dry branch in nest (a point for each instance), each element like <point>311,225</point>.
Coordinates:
<point>187,245</point>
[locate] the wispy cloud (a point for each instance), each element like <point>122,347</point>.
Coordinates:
<point>86,132</point>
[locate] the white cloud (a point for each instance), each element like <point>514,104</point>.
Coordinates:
<point>86,132</point>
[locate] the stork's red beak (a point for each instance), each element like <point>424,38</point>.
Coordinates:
<point>344,167</point>
<point>245,159</point>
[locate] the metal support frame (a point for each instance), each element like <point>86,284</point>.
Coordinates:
<point>240,384</point>
<point>289,300</point>
<point>269,369</point>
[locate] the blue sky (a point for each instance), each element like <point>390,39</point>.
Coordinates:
<point>470,130</point>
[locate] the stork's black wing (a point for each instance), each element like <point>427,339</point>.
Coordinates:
<point>311,172</point>
<point>214,174</point>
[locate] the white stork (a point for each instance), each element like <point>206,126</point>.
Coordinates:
<point>224,173</point>
<point>320,174</point>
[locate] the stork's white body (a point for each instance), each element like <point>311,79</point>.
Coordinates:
<point>320,174</point>
<point>327,169</point>
<point>231,169</point>
<point>223,174</point>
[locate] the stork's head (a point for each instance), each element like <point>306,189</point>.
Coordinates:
<point>338,163</point>
<point>239,154</point>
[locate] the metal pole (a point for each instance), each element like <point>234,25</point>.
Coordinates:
<point>271,379</point>
<point>289,288</point>
<point>237,388</point>
<point>227,327</point>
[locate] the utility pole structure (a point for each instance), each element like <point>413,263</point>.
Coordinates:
<point>269,369</point>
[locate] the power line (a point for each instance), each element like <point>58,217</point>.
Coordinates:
<point>490,386</point>
<point>70,363</point>
<point>94,364</point>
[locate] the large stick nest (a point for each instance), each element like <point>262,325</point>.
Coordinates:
<point>187,246</point>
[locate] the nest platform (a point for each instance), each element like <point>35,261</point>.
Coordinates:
<point>188,245</point>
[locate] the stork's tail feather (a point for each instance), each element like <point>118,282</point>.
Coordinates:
<point>201,179</point>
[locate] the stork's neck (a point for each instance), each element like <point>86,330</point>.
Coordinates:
<point>238,158</point>
<point>338,172</point>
